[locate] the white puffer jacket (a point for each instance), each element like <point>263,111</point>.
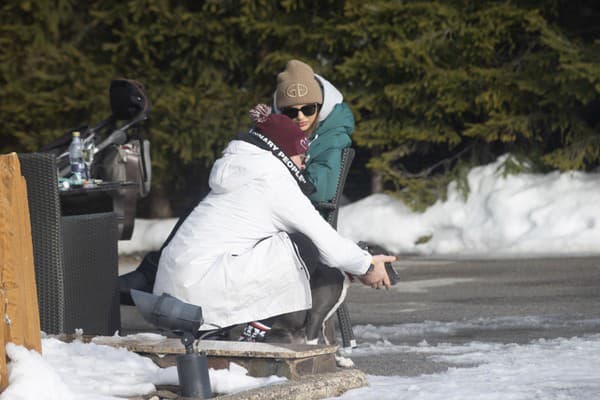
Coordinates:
<point>232,255</point>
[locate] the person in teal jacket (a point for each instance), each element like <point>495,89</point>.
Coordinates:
<point>318,108</point>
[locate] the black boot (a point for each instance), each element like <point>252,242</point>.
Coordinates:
<point>142,278</point>
<point>254,332</point>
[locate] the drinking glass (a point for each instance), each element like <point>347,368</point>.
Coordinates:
<point>88,158</point>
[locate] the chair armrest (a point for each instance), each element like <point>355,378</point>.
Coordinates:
<point>325,205</point>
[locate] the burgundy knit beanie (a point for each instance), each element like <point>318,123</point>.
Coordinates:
<point>280,129</point>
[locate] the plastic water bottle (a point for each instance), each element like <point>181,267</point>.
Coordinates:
<point>76,159</point>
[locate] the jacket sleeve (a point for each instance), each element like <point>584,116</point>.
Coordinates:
<point>325,151</point>
<point>295,213</point>
<point>323,171</point>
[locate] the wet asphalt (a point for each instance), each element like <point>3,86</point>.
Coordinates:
<point>464,300</point>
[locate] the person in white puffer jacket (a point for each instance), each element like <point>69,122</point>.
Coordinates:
<point>234,256</point>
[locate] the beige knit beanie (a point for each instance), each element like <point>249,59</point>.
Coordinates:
<point>297,85</point>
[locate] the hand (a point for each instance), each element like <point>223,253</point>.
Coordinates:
<point>378,277</point>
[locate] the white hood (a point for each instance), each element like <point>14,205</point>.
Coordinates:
<point>241,162</point>
<point>331,97</point>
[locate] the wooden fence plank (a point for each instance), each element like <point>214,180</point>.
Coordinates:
<point>19,314</point>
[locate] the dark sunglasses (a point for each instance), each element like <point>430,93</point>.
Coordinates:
<point>306,110</point>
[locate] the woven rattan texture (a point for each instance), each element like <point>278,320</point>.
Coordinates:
<point>330,210</point>
<point>75,257</point>
<point>44,208</point>
<point>343,314</point>
<point>91,291</point>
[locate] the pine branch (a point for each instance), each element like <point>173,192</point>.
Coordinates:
<point>444,162</point>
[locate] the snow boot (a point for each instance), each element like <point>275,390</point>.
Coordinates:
<point>254,332</point>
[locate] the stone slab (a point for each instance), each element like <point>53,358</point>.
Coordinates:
<point>292,361</point>
<point>290,368</point>
<point>153,343</point>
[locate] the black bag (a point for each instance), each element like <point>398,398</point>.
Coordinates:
<point>129,162</point>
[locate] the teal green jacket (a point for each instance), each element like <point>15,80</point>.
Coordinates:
<point>325,151</point>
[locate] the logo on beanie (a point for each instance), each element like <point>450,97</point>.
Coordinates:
<point>296,90</point>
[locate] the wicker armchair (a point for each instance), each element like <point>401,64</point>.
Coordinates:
<point>330,211</point>
<point>75,257</point>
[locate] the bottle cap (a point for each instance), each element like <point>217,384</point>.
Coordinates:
<point>76,133</point>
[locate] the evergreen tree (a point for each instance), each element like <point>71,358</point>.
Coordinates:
<point>436,87</point>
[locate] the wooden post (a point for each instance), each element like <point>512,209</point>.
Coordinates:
<point>19,314</point>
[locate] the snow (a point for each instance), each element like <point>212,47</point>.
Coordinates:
<point>562,368</point>
<point>496,371</point>
<point>87,371</point>
<point>519,216</point>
